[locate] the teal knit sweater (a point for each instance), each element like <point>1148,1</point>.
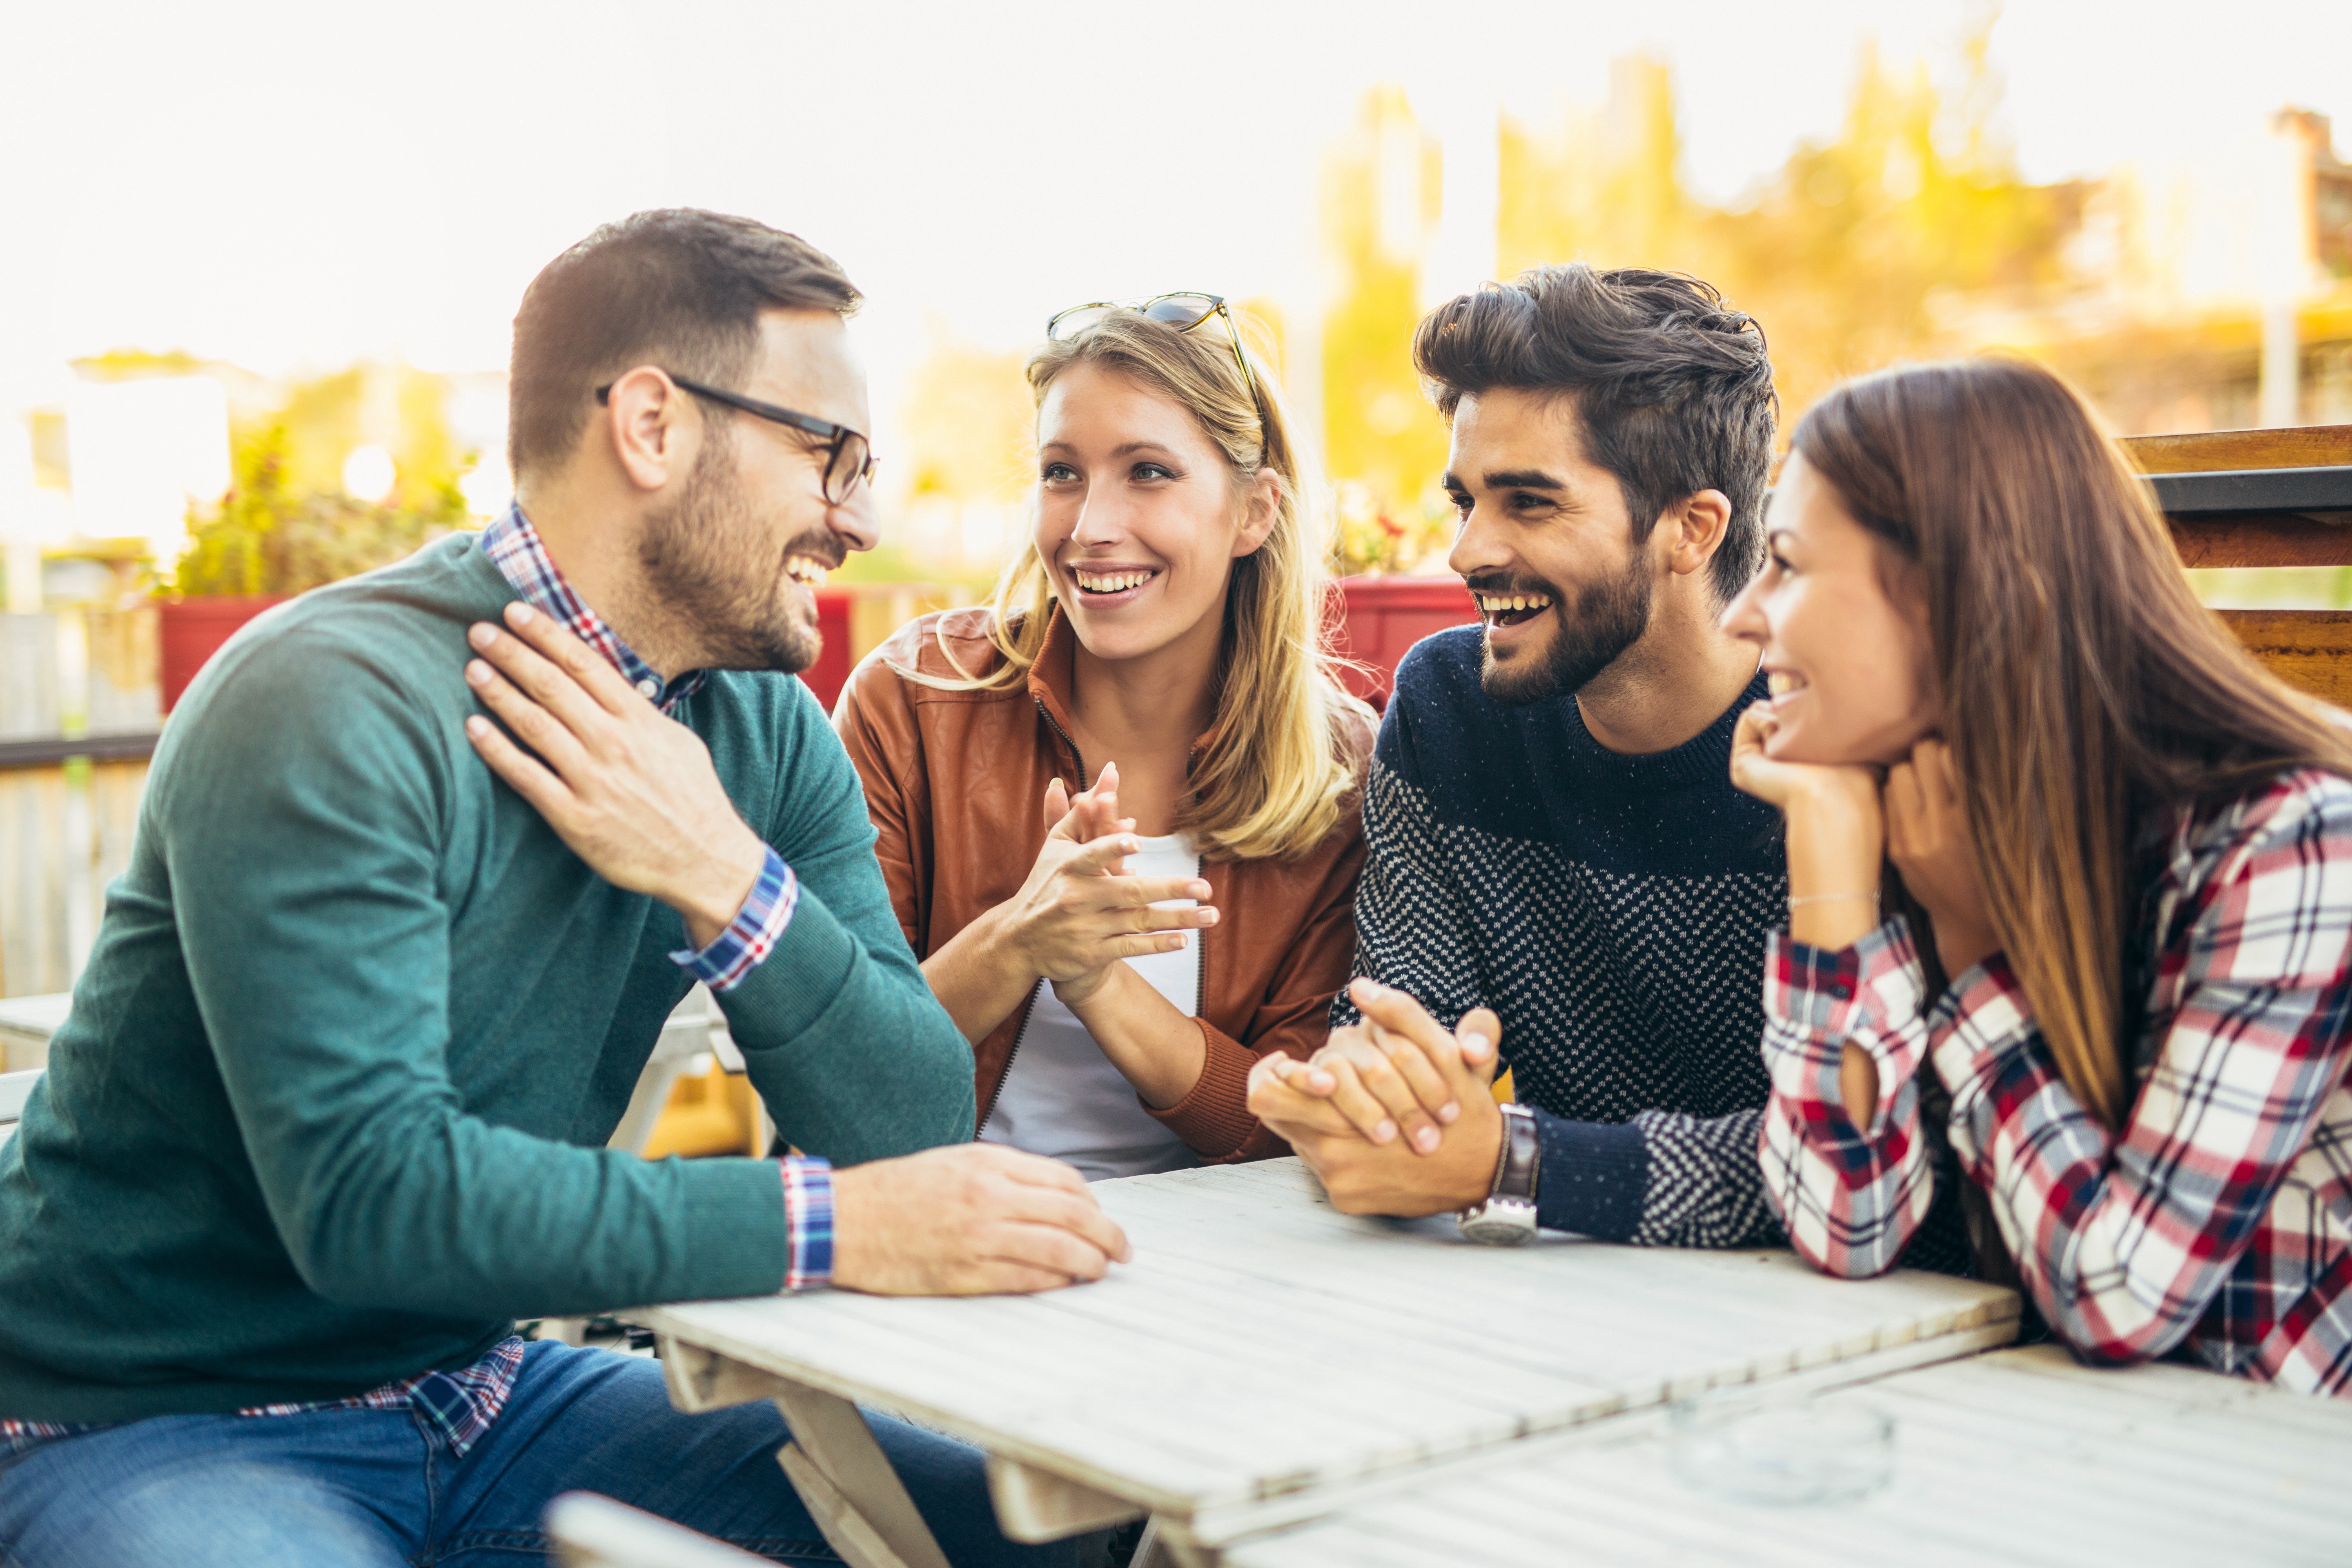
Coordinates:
<point>331,1104</point>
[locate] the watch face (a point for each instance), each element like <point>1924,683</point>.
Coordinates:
<point>1498,1223</point>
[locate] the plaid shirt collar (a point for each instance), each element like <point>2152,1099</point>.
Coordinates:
<point>514,547</point>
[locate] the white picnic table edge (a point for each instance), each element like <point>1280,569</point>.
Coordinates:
<point>1212,1518</point>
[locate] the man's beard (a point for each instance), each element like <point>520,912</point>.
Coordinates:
<point>707,560</point>
<point>1610,618</point>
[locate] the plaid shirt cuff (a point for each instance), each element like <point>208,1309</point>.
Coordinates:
<point>808,1222</point>
<point>1980,1022</point>
<point>1817,1001</point>
<point>752,934</point>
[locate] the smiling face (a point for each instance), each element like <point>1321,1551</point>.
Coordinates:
<point>1851,665</point>
<point>1546,546</point>
<point>1140,517</point>
<point>748,538</point>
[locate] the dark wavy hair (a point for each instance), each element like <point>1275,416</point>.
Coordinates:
<point>676,287</point>
<point>1673,385</point>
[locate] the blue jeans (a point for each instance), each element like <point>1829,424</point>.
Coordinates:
<point>378,1489</point>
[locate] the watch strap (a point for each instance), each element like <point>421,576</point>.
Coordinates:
<point>1517,1165</point>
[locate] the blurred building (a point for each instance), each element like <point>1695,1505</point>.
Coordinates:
<point>2215,296</point>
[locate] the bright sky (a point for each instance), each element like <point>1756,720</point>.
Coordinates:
<point>290,185</point>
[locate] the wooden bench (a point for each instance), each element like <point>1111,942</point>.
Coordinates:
<point>2265,498</point>
<point>592,1532</point>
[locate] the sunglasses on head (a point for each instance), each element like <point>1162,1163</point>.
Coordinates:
<point>1182,310</point>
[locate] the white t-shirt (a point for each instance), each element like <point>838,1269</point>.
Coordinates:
<point>1062,1097</point>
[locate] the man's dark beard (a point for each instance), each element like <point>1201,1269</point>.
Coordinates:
<point>706,557</point>
<point>1609,616</point>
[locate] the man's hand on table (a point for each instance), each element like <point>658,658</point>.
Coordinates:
<point>1395,1116</point>
<point>631,791</point>
<point>970,1219</point>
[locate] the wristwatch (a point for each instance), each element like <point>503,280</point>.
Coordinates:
<point>1508,1215</point>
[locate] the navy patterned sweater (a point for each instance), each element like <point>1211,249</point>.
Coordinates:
<point>1611,910</point>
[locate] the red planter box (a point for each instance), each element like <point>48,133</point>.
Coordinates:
<point>830,673</point>
<point>1381,617</point>
<point>192,631</point>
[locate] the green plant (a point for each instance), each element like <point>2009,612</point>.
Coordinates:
<point>1373,538</point>
<point>263,539</point>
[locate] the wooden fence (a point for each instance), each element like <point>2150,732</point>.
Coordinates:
<point>67,806</point>
<point>65,834</point>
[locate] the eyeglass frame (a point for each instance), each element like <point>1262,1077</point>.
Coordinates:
<point>1143,308</point>
<point>835,435</point>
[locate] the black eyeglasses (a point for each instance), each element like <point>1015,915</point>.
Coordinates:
<point>1182,311</point>
<point>849,457</point>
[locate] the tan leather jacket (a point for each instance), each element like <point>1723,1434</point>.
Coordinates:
<point>954,783</point>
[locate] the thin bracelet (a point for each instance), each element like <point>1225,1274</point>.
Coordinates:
<point>1830,898</point>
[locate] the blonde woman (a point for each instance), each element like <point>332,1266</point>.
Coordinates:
<point>1120,956</point>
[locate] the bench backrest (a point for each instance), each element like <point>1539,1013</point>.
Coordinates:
<point>2265,498</point>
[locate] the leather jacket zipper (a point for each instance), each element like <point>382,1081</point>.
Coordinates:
<point>1020,1030</point>
<point>1030,1007</point>
<point>1200,952</point>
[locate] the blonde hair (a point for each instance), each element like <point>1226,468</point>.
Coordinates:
<point>1272,780</point>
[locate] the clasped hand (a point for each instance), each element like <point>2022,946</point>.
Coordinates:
<point>1396,1115</point>
<point>1080,911</point>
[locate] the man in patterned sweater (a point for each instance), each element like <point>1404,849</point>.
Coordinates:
<point>1558,863</point>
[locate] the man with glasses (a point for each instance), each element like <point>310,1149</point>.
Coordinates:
<point>427,859</point>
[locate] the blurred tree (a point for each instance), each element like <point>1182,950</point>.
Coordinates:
<point>266,537</point>
<point>1856,252</point>
<point>1862,252</point>
<point>967,425</point>
<point>1601,183</point>
<point>395,406</point>
<point>1379,197</point>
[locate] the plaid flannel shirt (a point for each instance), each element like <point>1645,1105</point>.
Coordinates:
<point>2221,1217</point>
<point>458,1405</point>
<point>461,1404</point>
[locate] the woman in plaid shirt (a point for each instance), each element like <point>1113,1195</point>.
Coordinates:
<point>2070,888</point>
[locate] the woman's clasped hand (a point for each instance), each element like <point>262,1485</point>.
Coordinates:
<point>1080,910</point>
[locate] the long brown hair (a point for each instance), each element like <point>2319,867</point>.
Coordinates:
<point>2084,688</point>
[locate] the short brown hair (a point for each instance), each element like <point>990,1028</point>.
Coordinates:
<point>1672,384</point>
<point>678,287</point>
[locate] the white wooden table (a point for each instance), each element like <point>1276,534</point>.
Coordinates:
<point>2016,1458</point>
<point>1262,1351</point>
